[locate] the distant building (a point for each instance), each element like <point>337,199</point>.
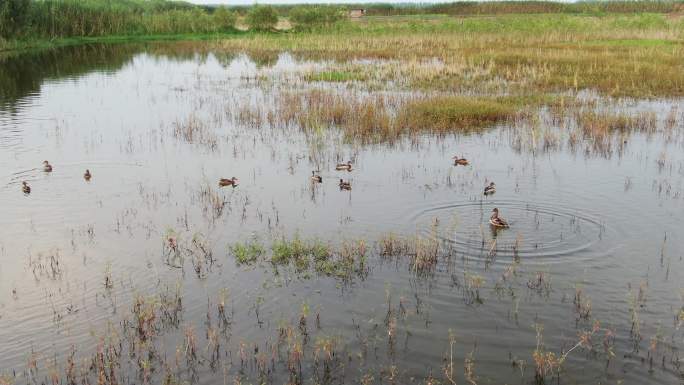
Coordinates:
<point>356,13</point>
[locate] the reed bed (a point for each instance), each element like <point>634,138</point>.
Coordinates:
<point>455,113</point>
<point>25,20</point>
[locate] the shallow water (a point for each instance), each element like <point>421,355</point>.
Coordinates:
<point>607,225</point>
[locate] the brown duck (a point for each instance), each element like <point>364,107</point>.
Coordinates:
<point>497,221</point>
<point>345,185</point>
<point>458,161</point>
<point>223,182</point>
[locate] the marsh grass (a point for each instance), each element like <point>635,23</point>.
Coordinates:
<point>386,117</point>
<point>595,123</point>
<point>451,113</point>
<point>448,113</point>
<point>246,253</point>
<point>336,76</point>
<point>606,131</point>
<point>359,117</point>
<point>627,55</point>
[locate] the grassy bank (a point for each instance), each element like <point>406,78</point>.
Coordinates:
<point>32,22</point>
<point>38,44</point>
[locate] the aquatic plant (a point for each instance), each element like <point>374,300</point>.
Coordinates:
<point>454,113</point>
<point>246,253</point>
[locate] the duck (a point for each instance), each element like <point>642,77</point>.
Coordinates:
<point>316,178</point>
<point>345,185</point>
<point>25,188</point>
<point>497,221</point>
<point>228,182</point>
<point>344,166</point>
<point>87,175</point>
<point>47,167</point>
<point>460,161</point>
<point>490,189</point>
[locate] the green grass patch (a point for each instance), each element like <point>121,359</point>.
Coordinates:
<point>298,252</point>
<point>247,253</point>
<point>463,113</point>
<point>336,76</point>
<point>446,113</point>
<point>635,43</point>
<point>306,256</point>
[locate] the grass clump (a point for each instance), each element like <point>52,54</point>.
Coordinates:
<point>308,256</point>
<point>298,252</point>
<point>595,123</point>
<point>447,113</point>
<point>363,117</point>
<point>247,253</point>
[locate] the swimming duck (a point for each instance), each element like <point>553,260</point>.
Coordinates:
<point>47,167</point>
<point>87,175</point>
<point>316,178</point>
<point>228,182</point>
<point>25,188</point>
<point>495,220</point>
<point>460,161</point>
<point>490,189</point>
<point>345,185</point>
<point>344,166</point>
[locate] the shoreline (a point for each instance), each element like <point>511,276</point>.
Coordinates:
<point>22,46</point>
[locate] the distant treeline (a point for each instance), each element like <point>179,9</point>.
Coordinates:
<point>512,7</point>
<point>51,19</point>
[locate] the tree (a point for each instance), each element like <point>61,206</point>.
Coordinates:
<point>224,19</point>
<point>262,17</point>
<point>13,14</point>
<point>307,17</point>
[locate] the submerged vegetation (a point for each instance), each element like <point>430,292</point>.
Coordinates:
<point>154,339</point>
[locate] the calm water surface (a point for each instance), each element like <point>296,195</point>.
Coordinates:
<point>607,225</point>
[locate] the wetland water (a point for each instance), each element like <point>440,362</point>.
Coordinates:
<point>595,241</point>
